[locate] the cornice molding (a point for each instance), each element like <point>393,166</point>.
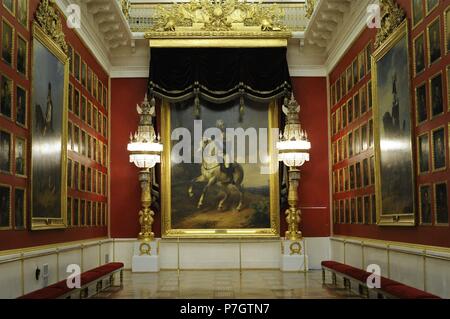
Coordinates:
<point>307,71</point>
<point>88,35</point>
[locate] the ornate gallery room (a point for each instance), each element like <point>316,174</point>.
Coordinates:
<point>224,149</point>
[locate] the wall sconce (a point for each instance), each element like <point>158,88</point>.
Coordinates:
<point>145,152</point>
<point>293,151</point>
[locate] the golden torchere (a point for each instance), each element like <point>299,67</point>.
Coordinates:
<point>146,213</point>
<point>293,214</point>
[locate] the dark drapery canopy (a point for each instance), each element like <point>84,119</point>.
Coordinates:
<point>219,74</point>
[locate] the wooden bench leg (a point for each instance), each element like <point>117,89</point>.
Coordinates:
<point>323,276</point>
<point>99,286</point>
<point>121,279</point>
<point>111,280</point>
<point>334,279</point>
<point>347,284</point>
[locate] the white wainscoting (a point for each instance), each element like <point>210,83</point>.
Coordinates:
<point>18,268</point>
<point>423,267</point>
<point>223,254</point>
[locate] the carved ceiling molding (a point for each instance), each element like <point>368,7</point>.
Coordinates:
<point>216,18</point>
<point>392,17</point>
<point>47,17</point>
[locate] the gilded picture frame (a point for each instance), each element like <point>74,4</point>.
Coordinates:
<point>395,196</point>
<point>23,202</point>
<point>51,213</point>
<point>5,207</point>
<point>167,217</point>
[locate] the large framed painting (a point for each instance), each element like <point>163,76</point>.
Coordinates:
<point>393,131</point>
<point>230,191</point>
<point>49,131</point>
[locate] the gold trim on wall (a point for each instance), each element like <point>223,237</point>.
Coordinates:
<point>217,43</point>
<point>169,232</point>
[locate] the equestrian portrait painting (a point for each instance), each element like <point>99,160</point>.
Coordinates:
<point>49,121</point>
<point>218,177</point>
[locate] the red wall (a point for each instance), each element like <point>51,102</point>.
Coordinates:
<point>426,235</point>
<point>125,189</point>
<point>13,239</point>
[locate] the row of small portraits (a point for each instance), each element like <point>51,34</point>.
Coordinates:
<point>354,108</point>
<point>13,157</point>
<point>81,212</point>
<point>14,48</point>
<point>433,43</point>
<point>12,216</point>
<point>87,111</point>
<point>355,176</point>
<point>82,143</point>
<point>358,69</point>
<point>421,8</point>
<point>86,179</point>
<point>87,78</point>
<point>356,210</point>
<point>436,97</point>
<point>7,95</point>
<point>355,142</point>
<point>438,150</point>
<point>18,9</point>
<point>433,204</point>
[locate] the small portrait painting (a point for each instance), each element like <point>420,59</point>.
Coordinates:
<point>356,106</point>
<point>350,111</point>
<point>70,136</point>
<point>5,207</point>
<point>22,49</point>
<point>441,205</point>
<point>89,180</point>
<point>338,88</point>
<point>69,173</point>
<point>9,5</point>
<point>417,7</point>
<point>349,75</point>
<point>95,118</point>
<point>425,204</point>
<point>352,211</point>
<point>340,210</point>
<point>436,92</point>
<point>76,171</point>
<point>82,212</point>
<point>363,94</point>
<point>355,72</point>
<point>21,106</point>
<point>350,144</point>
<point>367,210</point>
<point>359,208</point>
<point>22,12</point>
<point>369,94</point>
<point>364,142</point>
<point>346,217</point>
<point>372,170</point>
<point>89,146</point>
<point>366,177</point>
<point>343,88</point>
<point>424,153</point>
<point>20,157</point>
<point>434,41</point>
<point>352,177</point>
<point>70,56</point>
<point>83,143</point>
<point>76,102</point>
<point>362,64</point>
<point>89,113</point>
<point>76,139</point>
<point>76,212</point>
<point>89,80</point>
<point>358,174</point>
<point>373,204</point>
<point>421,103</point>
<point>371,137</point>
<point>77,66</point>
<point>82,178</point>
<point>419,54</point>
<point>83,108</point>
<point>5,152</point>
<point>439,149</point>
<point>333,123</point>
<point>346,177</point>
<point>356,141</point>
<point>6,93</point>
<point>84,74</point>
<point>19,208</point>
<point>105,126</point>
<point>431,5</point>
<point>7,43</point>
<point>369,57</point>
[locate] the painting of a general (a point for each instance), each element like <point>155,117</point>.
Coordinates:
<point>395,166</point>
<point>47,133</point>
<point>218,181</point>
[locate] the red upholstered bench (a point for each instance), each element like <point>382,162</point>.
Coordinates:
<point>60,289</point>
<point>388,287</point>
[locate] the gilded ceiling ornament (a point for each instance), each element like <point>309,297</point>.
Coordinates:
<point>392,16</point>
<point>48,18</point>
<point>218,16</point>
<point>310,6</point>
